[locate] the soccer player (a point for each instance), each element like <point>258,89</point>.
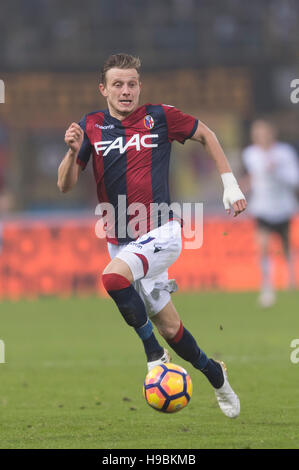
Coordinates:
<point>273,170</point>
<point>130,147</point>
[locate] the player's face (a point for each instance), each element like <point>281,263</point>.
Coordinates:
<point>122,90</point>
<point>262,134</point>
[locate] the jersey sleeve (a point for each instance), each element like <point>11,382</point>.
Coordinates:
<point>85,150</point>
<point>181,126</point>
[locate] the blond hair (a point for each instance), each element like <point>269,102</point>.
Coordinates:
<point>120,61</point>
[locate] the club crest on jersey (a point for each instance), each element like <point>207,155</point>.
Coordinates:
<point>148,122</point>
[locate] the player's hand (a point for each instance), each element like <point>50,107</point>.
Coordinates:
<point>238,207</point>
<point>234,197</point>
<point>74,137</point>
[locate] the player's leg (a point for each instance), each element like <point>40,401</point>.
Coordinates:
<point>170,326</point>
<point>149,255</point>
<point>183,343</point>
<point>263,237</point>
<point>117,279</point>
<point>267,294</point>
<point>284,233</point>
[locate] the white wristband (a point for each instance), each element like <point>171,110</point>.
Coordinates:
<point>228,180</point>
<point>232,192</point>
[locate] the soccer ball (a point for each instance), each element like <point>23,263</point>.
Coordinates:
<point>167,388</point>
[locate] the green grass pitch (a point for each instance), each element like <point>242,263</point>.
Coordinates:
<point>74,372</point>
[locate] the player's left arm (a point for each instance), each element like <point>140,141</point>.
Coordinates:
<point>232,195</point>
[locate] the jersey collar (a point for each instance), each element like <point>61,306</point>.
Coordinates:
<point>135,116</point>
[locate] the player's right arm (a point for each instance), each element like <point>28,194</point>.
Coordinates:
<point>69,170</point>
<point>182,126</point>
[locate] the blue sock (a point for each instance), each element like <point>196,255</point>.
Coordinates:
<point>186,347</point>
<point>133,310</point>
<point>152,348</point>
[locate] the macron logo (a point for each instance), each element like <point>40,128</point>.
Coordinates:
<point>121,145</point>
<point>110,126</point>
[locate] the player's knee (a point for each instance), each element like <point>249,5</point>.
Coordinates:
<point>169,330</point>
<point>114,281</point>
<point>118,266</point>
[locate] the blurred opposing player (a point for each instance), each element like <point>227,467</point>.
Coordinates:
<point>273,169</point>
<point>130,147</point>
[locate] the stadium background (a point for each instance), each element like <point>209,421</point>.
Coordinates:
<point>225,63</point>
<point>73,372</point>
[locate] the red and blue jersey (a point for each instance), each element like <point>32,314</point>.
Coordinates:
<point>131,157</point>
